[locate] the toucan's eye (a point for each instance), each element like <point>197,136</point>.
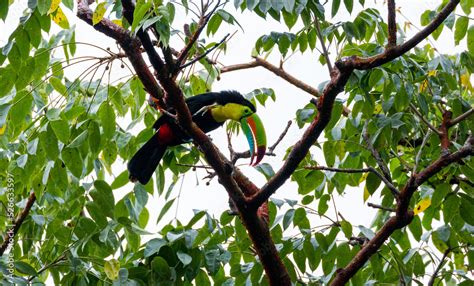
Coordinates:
<point>246,111</point>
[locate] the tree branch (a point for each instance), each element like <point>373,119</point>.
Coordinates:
<point>403,216</point>
<point>380,207</point>
<point>300,149</point>
<point>323,45</point>
<point>156,61</point>
<point>203,20</point>
<point>204,54</point>
<point>235,156</point>
<point>424,120</point>
<point>259,62</point>
<point>461,117</point>
<point>389,185</point>
<point>386,178</point>
<point>395,52</point>
<point>444,132</point>
<point>128,43</point>
<point>440,266</point>
<point>18,222</point>
<point>392,24</point>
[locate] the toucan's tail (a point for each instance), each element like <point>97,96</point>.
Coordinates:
<point>144,162</point>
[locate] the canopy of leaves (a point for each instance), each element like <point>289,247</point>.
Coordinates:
<point>61,139</point>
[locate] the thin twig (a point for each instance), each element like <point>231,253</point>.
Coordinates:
<point>260,62</point>
<point>323,45</point>
<point>383,167</point>
<point>282,135</point>
<point>389,185</point>
<point>418,155</point>
<point>439,267</point>
<point>205,53</point>
<point>235,156</point>
<point>204,19</point>
<point>461,117</point>
<point>375,206</point>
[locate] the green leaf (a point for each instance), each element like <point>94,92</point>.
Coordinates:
<point>103,196</point>
<point>198,85</point>
<point>141,8</point>
<point>288,218</point>
<point>460,29</point>
<point>99,14</point>
<point>49,142</point>
<point>153,246</point>
<point>4,9</point>
<point>372,183</point>
<point>466,209</point>
<point>349,5</point>
<point>107,120</point>
<point>121,180</point>
<point>184,258</point>
<point>212,261</point>
<point>213,24</point>
<point>41,63</point>
<point>25,268</point>
<point>346,228</point>
<point>335,7</point>
<point>289,5</point>
<point>58,85</point>
<point>73,161</point>
<point>164,210</point>
<point>61,129</point>
<point>323,204</point>
<point>470,40</point>
<point>79,140</point>
<point>277,5</point>
<point>266,169</point>
<point>111,269</point>
<point>161,269</point>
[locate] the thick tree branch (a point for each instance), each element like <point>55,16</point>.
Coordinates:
<point>17,224</point>
<point>156,61</point>
<point>301,148</point>
<point>392,24</point>
<point>444,132</point>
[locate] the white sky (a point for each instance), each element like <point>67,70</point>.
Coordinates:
<point>275,116</point>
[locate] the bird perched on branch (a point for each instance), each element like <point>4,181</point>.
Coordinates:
<point>209,111</point>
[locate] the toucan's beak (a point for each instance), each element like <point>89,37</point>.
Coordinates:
<point>255,132</point>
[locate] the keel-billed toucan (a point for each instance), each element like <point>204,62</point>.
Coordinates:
<point>209,111</point>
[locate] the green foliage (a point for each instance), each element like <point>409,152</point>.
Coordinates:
<point>62,137</point>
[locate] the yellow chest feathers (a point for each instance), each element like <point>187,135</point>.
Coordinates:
<point>233,111</point>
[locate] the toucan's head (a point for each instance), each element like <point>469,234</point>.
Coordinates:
<point>232,105</point>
